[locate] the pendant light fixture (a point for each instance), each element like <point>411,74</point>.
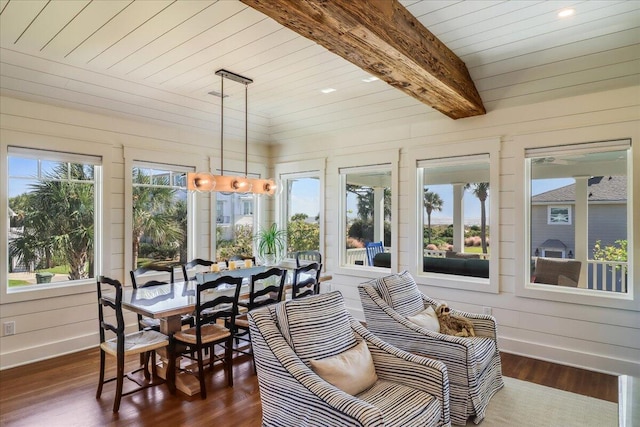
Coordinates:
<point>205,181</point>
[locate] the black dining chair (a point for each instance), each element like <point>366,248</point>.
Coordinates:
<point>264,289</point>
<point>156,275</point>
<point>144,343</point>
<point>190,269</point>
<point>307,257</point>
<point>306,280</point>
<point>215,314</point>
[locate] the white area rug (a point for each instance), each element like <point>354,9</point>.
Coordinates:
<point>525,404</point>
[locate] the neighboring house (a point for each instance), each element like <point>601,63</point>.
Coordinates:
<point>233,211</point>
<point>553,217</point>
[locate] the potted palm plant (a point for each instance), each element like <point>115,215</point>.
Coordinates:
<point>270,244</point>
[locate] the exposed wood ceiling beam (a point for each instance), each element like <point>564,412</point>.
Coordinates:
<point>383,38</point>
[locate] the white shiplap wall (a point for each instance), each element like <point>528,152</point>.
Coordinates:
<point>598,338</point>
<point>63,321</point>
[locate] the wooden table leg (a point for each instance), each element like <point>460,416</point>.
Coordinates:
<point>182,381</point>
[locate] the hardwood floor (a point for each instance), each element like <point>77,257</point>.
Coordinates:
<point>61,392</point>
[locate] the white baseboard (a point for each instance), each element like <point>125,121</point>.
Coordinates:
<point>25,356</point>
<point>569,357</point>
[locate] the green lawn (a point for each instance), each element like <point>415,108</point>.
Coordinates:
<point>475,249</point>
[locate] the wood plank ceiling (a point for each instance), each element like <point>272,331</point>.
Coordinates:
<point>154,60</point>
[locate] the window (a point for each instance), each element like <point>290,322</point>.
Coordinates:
<point>585,188</point>
<point>454,209</point>
<point>456,221</point>
<point>234,233</point>
<point>161,208</point>
<point>367,215</point>
<point>559,215</point>
<point>301,209</point>
<point>53,200</point>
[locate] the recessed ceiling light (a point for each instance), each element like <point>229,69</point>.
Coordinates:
<point>370,79</point>
<point>566,12</point>
<point>328,90</point>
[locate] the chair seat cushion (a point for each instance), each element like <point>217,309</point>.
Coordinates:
<point>149,322</point>
<point>352,371</point>
<point>401,292</point>
<point>137,342</point>
<point>210,333</point>
<point>402,406</point>
<point>242,321</point>
<point>485,349</point>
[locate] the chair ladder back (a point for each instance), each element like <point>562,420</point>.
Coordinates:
<point>255,300</point>
<point>151,268</point>
<point>206,311</point>
<point>116,306</point>
<point>194,264</point>
<point>312,282</point>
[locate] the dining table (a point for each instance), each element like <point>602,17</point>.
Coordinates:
<point>169,302</point>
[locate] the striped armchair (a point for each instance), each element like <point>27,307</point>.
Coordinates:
<point>473,364</point>
<point>409,391</point>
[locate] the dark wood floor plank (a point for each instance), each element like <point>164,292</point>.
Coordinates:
<point>61,392</point>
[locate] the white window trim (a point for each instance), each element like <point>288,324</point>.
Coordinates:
<point>422,156</point>
<point>134,157</point>
<point>302,169</point>
<point>550,207</point>
<point>388,158</point>
<point>546,141</point>
<point>102,211</point>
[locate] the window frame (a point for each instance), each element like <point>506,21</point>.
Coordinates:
<point>559,139</point>
<point>490,147</point>
<point>301,169</point>
<point>135,156</point>
<point>102,245</point>
<point>352,162</point>
<point>551,207</point>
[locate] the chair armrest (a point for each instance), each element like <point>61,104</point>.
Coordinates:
<point>281,373</point>
<point>483,324</point>
<point>417,372</point>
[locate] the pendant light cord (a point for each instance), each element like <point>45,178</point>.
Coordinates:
<point>246,129</point>
<point>222,125</point>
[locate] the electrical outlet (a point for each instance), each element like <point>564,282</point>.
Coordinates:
<point>9,328</point>
<point>486,310</point>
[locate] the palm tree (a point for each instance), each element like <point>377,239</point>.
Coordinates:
<point>152,214</point>
<point>58,222</point>
<point>432,202</point>
<point>481,191</point>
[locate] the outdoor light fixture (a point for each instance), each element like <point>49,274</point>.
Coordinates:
<point>205,181</point>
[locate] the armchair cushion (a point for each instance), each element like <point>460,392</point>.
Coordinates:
<point>352,371</point>
<point>427,318</point>
<point>402,405</point>
<point>401,292</point>
<point>316,328</point>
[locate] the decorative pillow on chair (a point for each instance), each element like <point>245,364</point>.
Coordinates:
<point>401,292</point>
<point>427,318</point>
<point>316,327</point>
<point>352,371</point>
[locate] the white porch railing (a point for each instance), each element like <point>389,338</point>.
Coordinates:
<point>358,254</point>
<point>442,254</point>
<point>607,276</point>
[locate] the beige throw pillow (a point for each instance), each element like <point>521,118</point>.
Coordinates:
<point>352,371</point>
<point>427,318</point>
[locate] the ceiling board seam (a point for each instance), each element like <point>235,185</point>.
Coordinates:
<point>133,30</point>
<point>66,25</point>
<point>32,21</point>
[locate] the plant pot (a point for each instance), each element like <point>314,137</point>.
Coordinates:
<point>269,259</point>
<point>44,277</point>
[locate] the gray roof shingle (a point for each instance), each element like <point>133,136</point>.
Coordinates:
<point>601,189</point>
